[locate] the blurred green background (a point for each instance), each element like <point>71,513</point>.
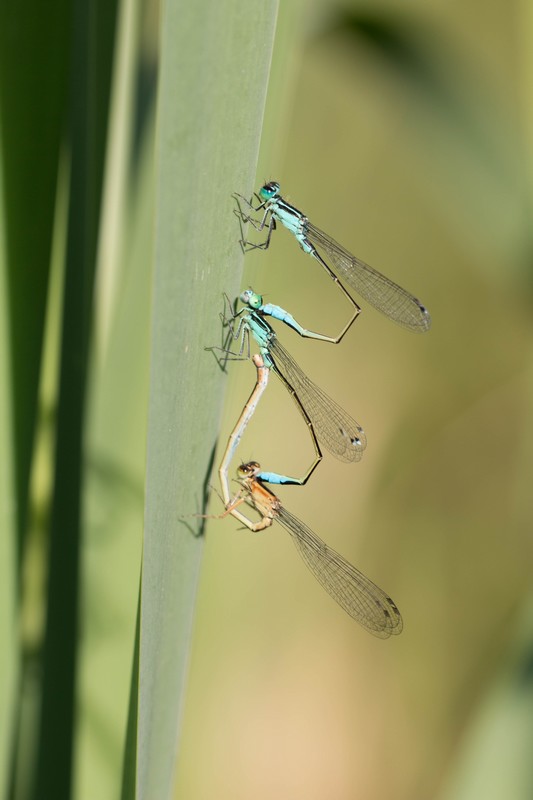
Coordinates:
<point>405,132</point>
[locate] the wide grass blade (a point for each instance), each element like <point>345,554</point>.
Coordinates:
<point>214,73</point>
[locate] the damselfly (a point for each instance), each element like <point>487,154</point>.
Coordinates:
<point>354,592</point>
<point>327,421</point>
<point>385,295</point>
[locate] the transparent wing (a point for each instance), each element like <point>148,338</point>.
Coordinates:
<point>334,428</point>
<point>385,295</point>
<point>353,591</point>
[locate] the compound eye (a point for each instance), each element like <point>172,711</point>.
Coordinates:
<point>269,190</point>
<point>248,470</point>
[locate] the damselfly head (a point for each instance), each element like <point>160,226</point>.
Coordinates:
<point>269,190</point>
<point>249,470</point>
<point>251,299</point>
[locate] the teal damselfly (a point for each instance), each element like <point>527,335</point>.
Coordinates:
<point>326,420</point>
<point>385,295</point>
